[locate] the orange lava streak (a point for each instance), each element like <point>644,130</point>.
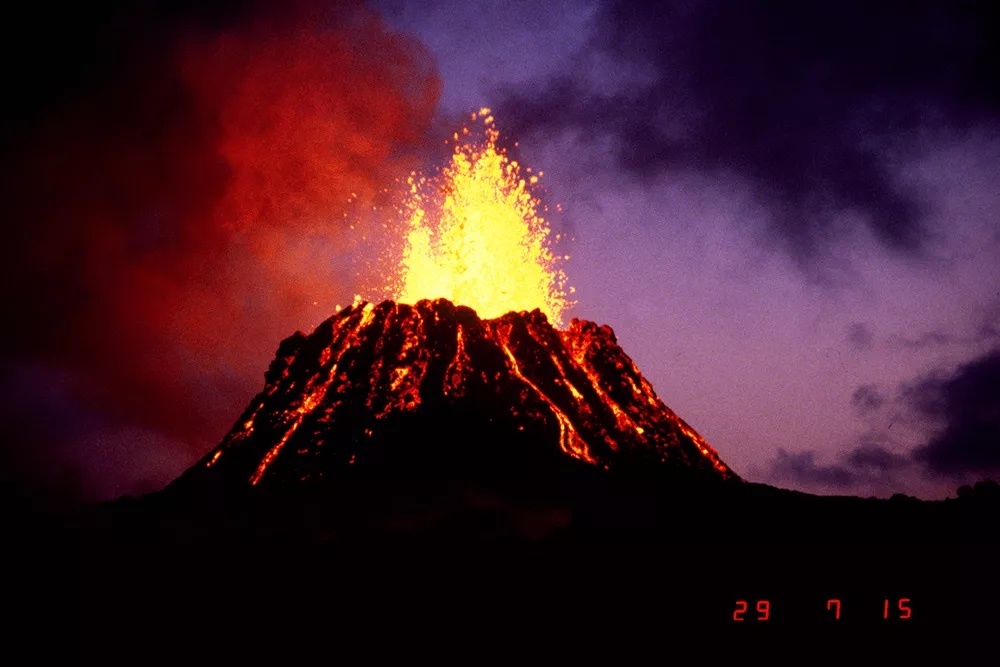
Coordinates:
<point>246,432</point>
<point>703,447</point>
<point>273,452</point>
<point>308,405</point>
<point>456,369</point>
<point>565,379</point>
<point>624,421</point>
<point>476,236</point>
<point>569,440</point>
<point>644,391</point>
<point>313,397</point>
<point>405,379</point>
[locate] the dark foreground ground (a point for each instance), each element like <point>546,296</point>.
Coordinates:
<point>625,569</point>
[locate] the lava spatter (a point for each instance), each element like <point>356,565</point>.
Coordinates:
<point>476,234</point>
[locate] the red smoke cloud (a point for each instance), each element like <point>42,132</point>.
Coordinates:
<point>176,217</point>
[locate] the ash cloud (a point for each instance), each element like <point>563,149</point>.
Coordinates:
<point>174,183</point>
<point>965,405</point>
<point>811,104</point>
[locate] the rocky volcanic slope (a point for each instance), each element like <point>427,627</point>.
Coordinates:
<point>433,387</point>
<point>396,421</point>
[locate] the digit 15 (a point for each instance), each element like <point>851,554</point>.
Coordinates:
<point>763,608</point>
<point>904,608</point>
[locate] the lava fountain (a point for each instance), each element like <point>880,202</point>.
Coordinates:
<point>475,234</point>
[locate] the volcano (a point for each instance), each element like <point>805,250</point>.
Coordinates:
<point>492,411</point>
<point>433,387</point>
<point>404,435</point>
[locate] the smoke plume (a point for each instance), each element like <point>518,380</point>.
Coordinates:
<point>175,195</point>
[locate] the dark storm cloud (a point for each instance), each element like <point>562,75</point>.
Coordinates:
<point>867,398</point>
<point>875,459</point>
<point>987,331</point>
<point>866,463</point>
<point>802,467</point>
<point>966,406</point>
<point>805,101</point>
<point>165,167</point>
<point>926,339</point>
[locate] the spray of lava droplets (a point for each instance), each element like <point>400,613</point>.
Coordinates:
<point>475,235</point>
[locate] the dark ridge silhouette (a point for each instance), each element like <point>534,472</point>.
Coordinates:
<point>425,422</point>
<point>348,508</point>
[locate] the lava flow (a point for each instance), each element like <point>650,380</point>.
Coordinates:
<point>433,384</point>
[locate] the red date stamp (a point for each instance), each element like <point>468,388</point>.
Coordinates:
<point>759,611</point>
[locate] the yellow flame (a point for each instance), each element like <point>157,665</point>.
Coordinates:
<point>476,236</point>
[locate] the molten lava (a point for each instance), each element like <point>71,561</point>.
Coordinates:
<point>434,385</point>
<point>466,369</point>
<point>476,237</point>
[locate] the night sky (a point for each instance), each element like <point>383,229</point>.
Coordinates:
<point>789,213</point>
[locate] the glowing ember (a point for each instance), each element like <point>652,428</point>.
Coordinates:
<point>476,237</point>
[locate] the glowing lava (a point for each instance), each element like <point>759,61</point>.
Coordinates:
<point>476,236</point>
<point>467,364</point>
<point>433,381</point>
